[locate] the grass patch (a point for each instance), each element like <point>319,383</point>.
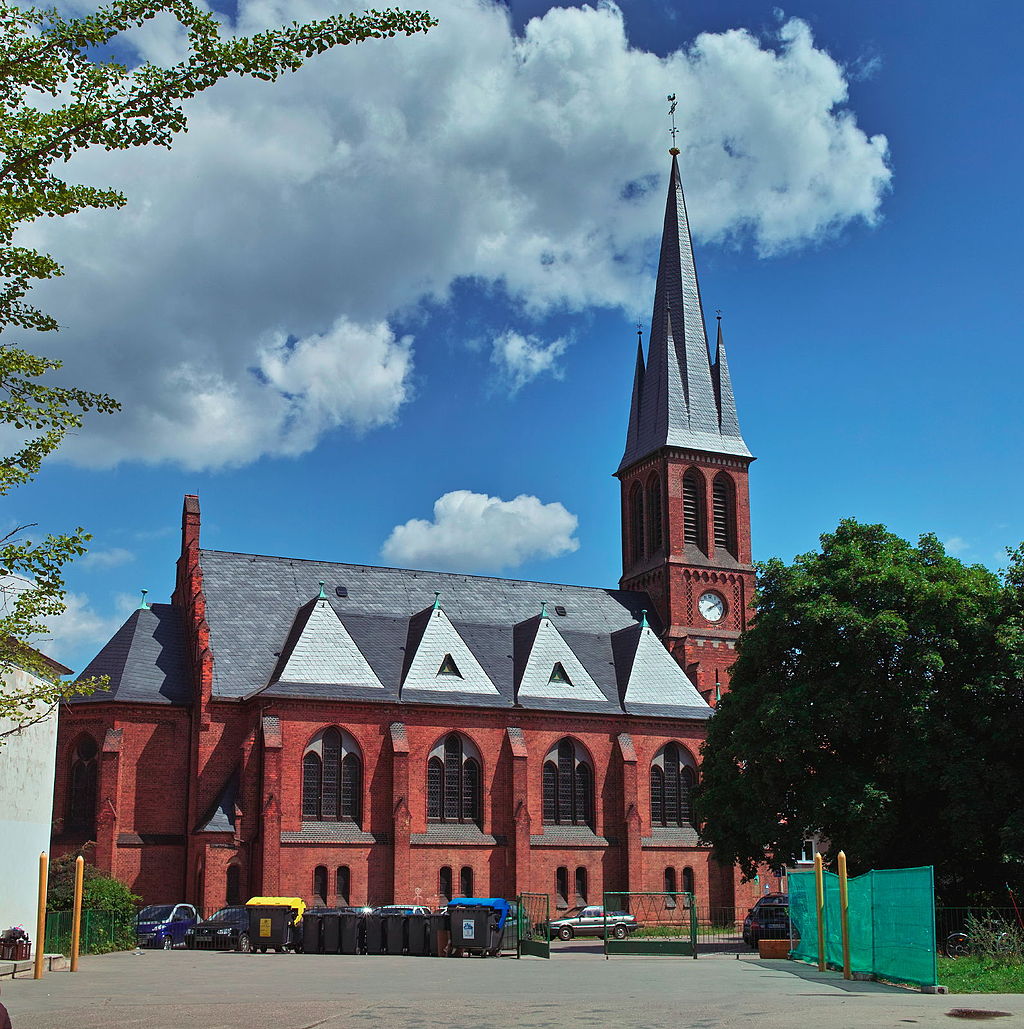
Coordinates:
<point>971,974</point>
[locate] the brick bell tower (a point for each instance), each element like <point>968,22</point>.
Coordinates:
<point>685,505</point>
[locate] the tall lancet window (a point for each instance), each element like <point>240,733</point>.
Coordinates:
<point>454,784</point>
<point>636,521</point>
<point>568,786</point>
<point>694,519</point>
<point>724,500</point>
<point>81,811</point>
<point>655,535</point>
<point>672,779</point>
<point>332,778</point>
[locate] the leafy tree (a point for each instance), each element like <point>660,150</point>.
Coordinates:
<point>62,90</point>
<point>872,700</point>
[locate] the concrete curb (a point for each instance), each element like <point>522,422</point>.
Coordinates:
<point>23,969</point>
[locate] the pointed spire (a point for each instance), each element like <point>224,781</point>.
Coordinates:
<point>437,600</point>
<point>543,609</point>
<point>633,432</point>
<point>643,619</point>
<point>727,417</point>
<point>143,606</point>
<point>321,595</point>
<point>676,402</point>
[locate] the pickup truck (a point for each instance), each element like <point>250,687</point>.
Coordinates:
<point>591,922</point>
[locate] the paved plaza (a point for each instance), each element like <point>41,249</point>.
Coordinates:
<point>178,989</point>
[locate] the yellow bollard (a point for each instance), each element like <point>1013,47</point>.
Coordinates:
<point>76,916</point>
<point>41,918</point>
<point>844,914</point>
<point>819,891</point>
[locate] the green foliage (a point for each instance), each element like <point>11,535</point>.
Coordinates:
<point>60,882</point>
<point>877,700</point>
<point>108,907</point>
<point>61,92</point>
<point>972,974</point>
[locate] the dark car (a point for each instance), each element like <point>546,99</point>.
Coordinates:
<point>227,929</point>
<point>164,925</point>
<point>768,919</point>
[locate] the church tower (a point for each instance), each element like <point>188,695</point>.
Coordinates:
<point>685,505</point>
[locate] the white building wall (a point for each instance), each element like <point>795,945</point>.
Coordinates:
<point>27,761</point>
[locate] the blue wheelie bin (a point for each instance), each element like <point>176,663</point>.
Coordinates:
<point>477,924</point>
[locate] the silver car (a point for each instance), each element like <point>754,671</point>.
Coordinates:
<point>591,922</point>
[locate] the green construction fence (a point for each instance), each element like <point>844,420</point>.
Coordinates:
<point>891,917</point>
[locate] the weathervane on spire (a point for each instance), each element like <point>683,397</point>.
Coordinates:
<point>672,104</point>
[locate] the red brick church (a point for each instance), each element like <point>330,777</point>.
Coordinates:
<point>354,734</point>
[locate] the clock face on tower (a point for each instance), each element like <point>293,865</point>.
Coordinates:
<point>711,606</point>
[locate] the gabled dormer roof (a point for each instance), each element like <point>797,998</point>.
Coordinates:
<point>540,653</point>
<point>321,650</point>
<point>679,398</point>
<point>438,660</point>
<point>650,679</point>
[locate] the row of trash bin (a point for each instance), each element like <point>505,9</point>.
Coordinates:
<point>472,927</point>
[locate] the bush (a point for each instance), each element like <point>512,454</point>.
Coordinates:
<point>992,939</point>
<point>99,893</point>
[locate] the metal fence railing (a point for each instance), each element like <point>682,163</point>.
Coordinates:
<point>101,932</point>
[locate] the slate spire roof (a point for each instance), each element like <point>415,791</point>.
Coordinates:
<point>680,398</point>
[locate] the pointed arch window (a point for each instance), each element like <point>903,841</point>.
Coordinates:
<point>320,886</point>
<point>332,778</point>
<point>81,812</point>
<point>568,786</point>
<point>672,779</point>
<point>723,497</point>
<point>694,519</point>
<point>655,522</point>
<point>454,782</point>
<point>233,894</point>
<point>636,521</point>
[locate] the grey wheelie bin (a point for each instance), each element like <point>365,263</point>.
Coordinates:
<point>312,923</point>
<point>374,925</point>
<point>348,932</point>
<point>439,936</point>
<point>417,930</point>
<point>394,933</point>
<point>477,924</point>
<point>330,932</point>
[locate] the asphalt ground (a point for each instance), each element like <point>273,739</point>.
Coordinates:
<point>203,990</point>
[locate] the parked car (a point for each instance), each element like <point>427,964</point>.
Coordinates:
<point>402,909</point>
<point>164,925</point>
<point>768,919</point>
<point>227,929</point>
<point>591,922</point>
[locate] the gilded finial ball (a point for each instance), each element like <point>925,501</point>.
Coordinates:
<point>674,151</point>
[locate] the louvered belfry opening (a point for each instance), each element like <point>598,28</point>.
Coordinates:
<point>694,520</point>
<point>332,779</point>
<point>568,787</point>
<point>724,502</point>
<point>671,785</point>
<point>453,783</point>
<point>81,810</point>
<point>636,522</point>
<point>655,522</point>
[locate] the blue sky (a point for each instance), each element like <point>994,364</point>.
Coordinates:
<point>414,270</point>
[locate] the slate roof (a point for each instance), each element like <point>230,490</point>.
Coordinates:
<point>255,604</point>
<point>145,660</point>
<point>221,816</point>
<point>679,398</point>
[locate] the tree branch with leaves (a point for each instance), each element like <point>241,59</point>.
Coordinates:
<point>62,92</point>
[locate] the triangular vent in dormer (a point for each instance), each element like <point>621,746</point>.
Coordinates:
<point>559,674</point>
<point>449,667</point>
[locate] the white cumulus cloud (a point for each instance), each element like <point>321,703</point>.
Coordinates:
<point>521,359</point>
<point>111,558</point>
<point>475,532</point>
<point>242,304</point>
